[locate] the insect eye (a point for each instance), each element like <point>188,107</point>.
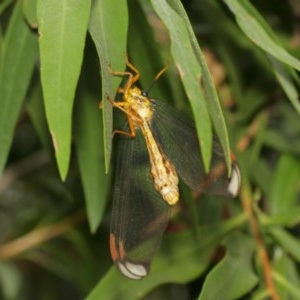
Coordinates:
<point>145,94</point>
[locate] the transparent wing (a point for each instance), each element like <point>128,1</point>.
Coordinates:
<point>178,138</point>
<point>139,214</point>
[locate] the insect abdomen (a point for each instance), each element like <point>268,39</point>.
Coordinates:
<point>162,170</point>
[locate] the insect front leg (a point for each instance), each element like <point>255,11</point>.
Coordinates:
<point>129,83</point>
<point>134,69</point>
<point>120,105</point>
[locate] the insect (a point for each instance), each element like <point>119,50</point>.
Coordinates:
<point>157,146</point>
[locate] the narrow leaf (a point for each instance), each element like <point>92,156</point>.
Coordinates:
<point>286,276</point>
<point>62,28</point>
<point>286,82</point>
<point>190,72</point>
<point>19,52</point>
<point>244,14</point>
<point>283,190</point>
<point>89,141</point>
<point>108,28</point>
<point>210,93</point>
<point>288,242</point>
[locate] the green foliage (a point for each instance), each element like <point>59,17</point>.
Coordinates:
<point>233,66</point>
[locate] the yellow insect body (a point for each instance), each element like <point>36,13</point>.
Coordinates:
<point>162,170</point>
<point>139,114</point>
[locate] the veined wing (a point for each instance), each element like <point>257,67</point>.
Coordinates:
<point>178,138</point>
<point>139,214</point>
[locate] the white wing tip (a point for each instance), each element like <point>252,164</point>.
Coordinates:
<point>131,270</point>
<point>235,180</point>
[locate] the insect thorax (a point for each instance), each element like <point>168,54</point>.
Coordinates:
<point>139,104</point>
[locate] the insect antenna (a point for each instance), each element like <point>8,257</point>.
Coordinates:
<point>146,92</point>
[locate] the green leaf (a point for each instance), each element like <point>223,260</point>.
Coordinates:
<point>286,276</point>
<point>89,141</point>
<point>36,111</point>
<point>11,280</point>
<point>210,93</point>
<point>266,39</point>
<point>289,218</point>
<point>283,193</point>
<point>182,258</point>
<point>282,142</point>
<point>4,4</point>
<point>249,22</point>
<point>62,29</point>
<point>29,11</point>
<point>284,134</point>
<point>190,72</point>
<point>288,242</point>
<point>233,276</point>
<point>108,28</point>
<point>19,52</point>
<point>286,82</point>
<point>146,55</point>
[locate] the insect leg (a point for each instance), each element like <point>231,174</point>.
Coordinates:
<point>134,69</point>
<point>129,83</point>
<point>131,132</point>
<point>120,105</point>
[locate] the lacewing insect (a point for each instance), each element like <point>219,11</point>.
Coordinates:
<point>156,147</point>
